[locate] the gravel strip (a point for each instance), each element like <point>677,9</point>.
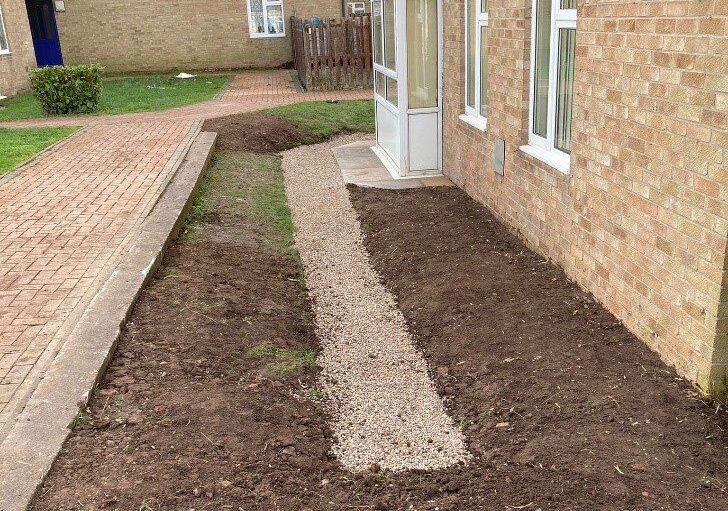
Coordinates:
<point>384,406</point>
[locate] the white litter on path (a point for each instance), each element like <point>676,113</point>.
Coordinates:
<point>384,406</point>
<point>185,76</point>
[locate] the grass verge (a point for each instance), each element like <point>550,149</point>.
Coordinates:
<point>128,95</point>
<point>17,145</point>
<point>320,120</point>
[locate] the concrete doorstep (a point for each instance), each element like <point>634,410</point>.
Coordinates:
<point>27,453</point>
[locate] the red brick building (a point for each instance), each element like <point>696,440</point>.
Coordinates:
<point>597,130</point>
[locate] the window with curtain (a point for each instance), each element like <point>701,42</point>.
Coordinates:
<point>552,80</point>
<point>266,18</point>
<point>476,61</point>
<point>4,47</point>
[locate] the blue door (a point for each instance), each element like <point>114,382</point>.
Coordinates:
<point>45,33</point>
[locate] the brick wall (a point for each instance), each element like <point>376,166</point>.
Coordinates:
<point>138,35</point>
<point>641,221</point>
<point>14,68</point>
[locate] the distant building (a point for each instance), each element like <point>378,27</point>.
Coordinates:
<point>149,35</point>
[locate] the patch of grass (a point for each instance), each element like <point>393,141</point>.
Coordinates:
<point>253,186</point>
<point>314,393</point>
<point>464,424</point>
<point>287,360</point>
<point>486,414</point>
<point>320,120</point>
<point>17,145</point>
<point>141,93</point>
<point>78,420</point>
<point>146,506</point>
<point>269,201</point>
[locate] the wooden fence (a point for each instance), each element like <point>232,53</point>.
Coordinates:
<point>333,54</point>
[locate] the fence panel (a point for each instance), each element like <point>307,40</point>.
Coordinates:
<point>333,54</point>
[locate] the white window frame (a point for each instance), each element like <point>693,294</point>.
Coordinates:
<point>357,7</point>
<point>472,115</point>
<point>382,68</point>
<point>4,51</point>
<point>266,4</point>
<point>539,147</point>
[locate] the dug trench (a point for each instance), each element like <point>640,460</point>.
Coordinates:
<point>211,401</point>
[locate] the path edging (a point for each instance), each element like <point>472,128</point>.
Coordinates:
<point>41,429</point>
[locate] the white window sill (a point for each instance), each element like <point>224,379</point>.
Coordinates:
<point>258,35</point>
<point>480,123</point>
<point>5,52</point>
<point>559,161</point>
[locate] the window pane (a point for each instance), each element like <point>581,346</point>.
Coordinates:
<point>257,21</point>
<point>422,53</point>
<point>483,6</point>
<point>377,21</point>
<point>565,89</point>
<point>380,84</point>
<point>568,4</point>
<point>390,36</point>
<point>484,71</point>
<point>470,46</point>
<point>275,19</point>
<point>541,67</point>
<point>3,37</point>
<point>392,95</point>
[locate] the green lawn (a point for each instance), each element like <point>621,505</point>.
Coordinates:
<point>17,145</point>
<point>127,95</point>
<point>322,120</point>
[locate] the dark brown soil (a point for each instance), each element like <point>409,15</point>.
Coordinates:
<point>210,402</point>
<point>594,419</point>
<point>255,132</point>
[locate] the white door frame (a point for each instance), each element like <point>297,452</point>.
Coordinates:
<point>401,168</point>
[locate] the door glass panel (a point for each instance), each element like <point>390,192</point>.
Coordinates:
<point>390,36</point>
<point>541,74</point>
<point>422,53</point>
<point>565,89</point>
<point>377,27</point>
<point>392,93</point>
<point>380,84</point>
<point>484,6</point>
<point>568,4</point>
<point>484,71</point>
<point>275,19</point>
<point>470,57</point>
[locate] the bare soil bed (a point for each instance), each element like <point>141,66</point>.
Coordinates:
<point>563,407</point>
<point>211,402</point>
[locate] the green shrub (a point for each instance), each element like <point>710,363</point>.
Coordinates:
<point>68,89</point>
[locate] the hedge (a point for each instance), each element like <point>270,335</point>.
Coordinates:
<point>68,89</point>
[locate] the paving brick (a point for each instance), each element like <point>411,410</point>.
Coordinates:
<point>67,218</point>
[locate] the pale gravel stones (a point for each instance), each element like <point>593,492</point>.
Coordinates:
<point>384,406</point>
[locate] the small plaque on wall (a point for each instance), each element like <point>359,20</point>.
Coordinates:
<point>60,6</point>
<point>499,156</point>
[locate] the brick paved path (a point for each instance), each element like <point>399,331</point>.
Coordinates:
<point>67,217</point>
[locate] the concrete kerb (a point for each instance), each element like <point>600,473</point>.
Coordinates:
<point>32,445</point>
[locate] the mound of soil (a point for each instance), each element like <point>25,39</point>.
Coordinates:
<point>255,132</point>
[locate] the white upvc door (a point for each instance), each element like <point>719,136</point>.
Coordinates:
<point>408,85</point>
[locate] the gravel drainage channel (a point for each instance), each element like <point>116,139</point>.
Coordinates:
<point>384,407</point>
